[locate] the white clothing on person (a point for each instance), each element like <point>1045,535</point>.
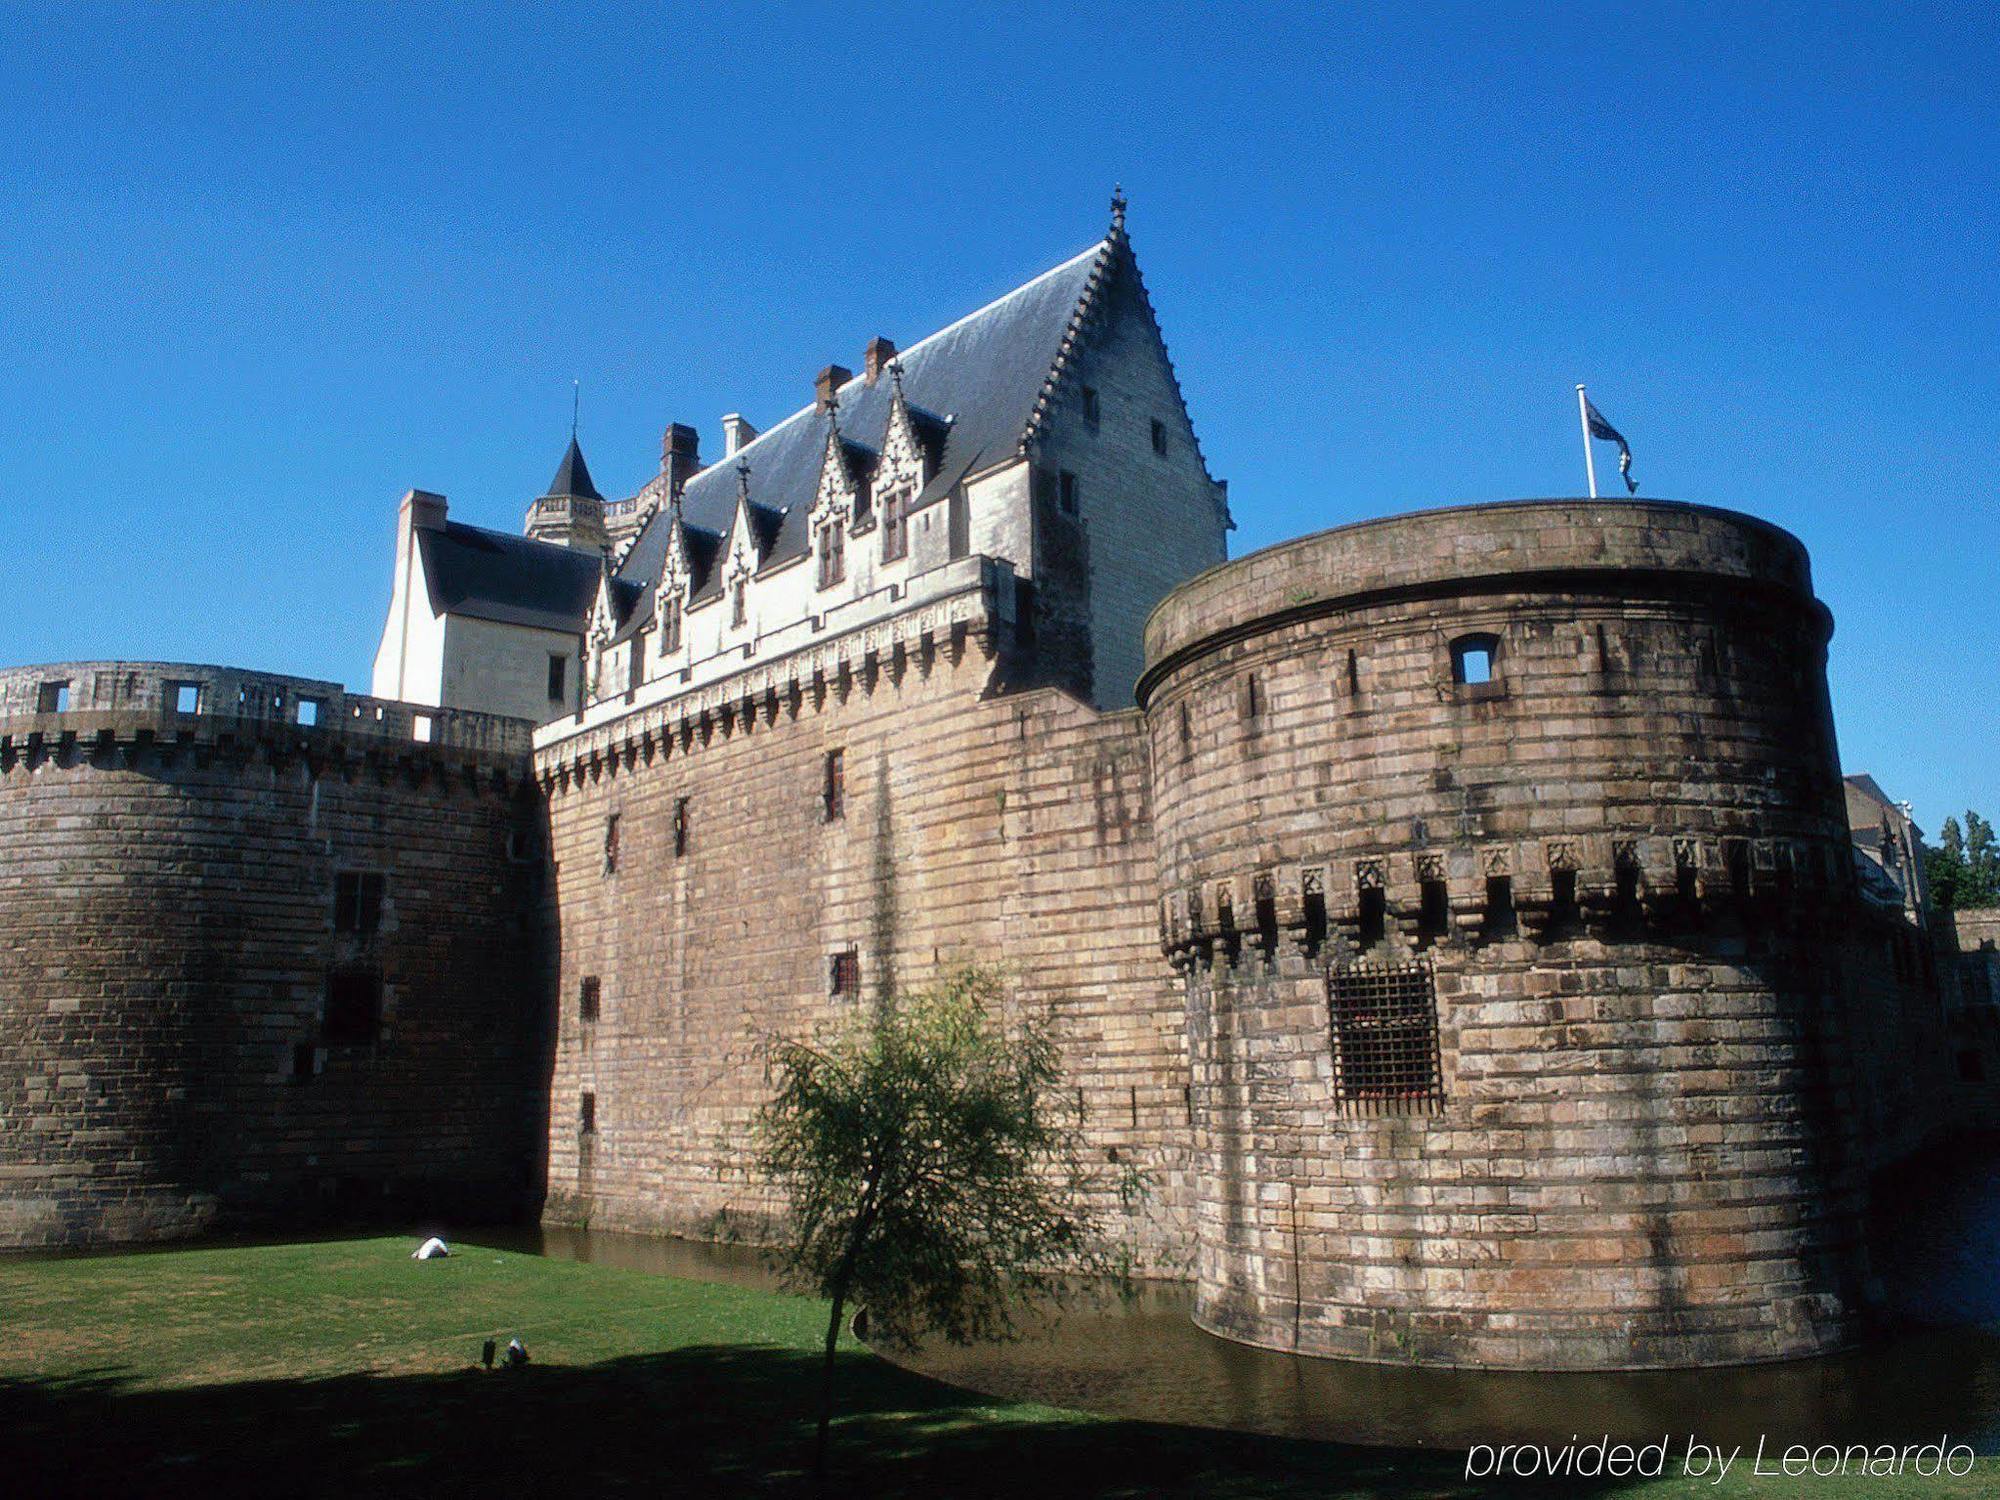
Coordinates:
<point>430,1249</point>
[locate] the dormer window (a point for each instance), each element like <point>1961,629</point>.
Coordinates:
<point>739,602</point>
<point>670,624</point>
<point>895,525</point>
<point>832,555</point>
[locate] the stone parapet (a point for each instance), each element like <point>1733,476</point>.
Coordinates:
<point>82,707</point>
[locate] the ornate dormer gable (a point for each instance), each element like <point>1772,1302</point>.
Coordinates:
<point>676,583</point>
<point>602,626</point>
<point>742,554</point>
<point>912,446</point>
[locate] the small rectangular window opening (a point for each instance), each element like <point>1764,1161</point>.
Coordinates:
<point>1066,495</point>
<point>558,674</point>
<point>834,792</point>
<point>1253,700</point>
<point>53,698</point>
<point>306,1060</point>
<point>589,996</point>
<point>421,726</point>
<point>586,1113</point>
<point>1187,734</point>
<point>611,844</point>
<point>844,974</point>
<point>680,826</point>
<point>187,697</point>
<point>1159,436</point>
<point>308,711</point>
<point>357,901</point>
<point>1092,413</point>
<point>1473,658</point>
<point>1267,920</point>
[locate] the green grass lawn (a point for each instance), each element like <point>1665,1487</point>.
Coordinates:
<point>347,1368</point>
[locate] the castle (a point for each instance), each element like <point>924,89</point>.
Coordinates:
<point>1452,917</point>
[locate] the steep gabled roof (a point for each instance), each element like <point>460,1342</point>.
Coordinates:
<point>573,476</point>
<point>516,580</point>
<point>986,374</point>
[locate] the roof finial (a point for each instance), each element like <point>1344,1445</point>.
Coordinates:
<point>1117,208</point>
<point>896,376</point>
<point>575,406</point>
<point>743,480</point>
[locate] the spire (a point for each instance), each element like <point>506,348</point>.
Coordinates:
<point>1117,210</point>
<point>573,475</point>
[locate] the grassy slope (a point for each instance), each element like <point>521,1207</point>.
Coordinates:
<point>347,1368</point>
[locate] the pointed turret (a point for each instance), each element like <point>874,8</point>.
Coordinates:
<point>571,514</point>
<point>572,479</point>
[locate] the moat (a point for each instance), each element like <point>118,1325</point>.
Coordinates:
<point>1936,1370</point>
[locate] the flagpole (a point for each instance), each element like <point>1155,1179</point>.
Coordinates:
<point>1583,416</point>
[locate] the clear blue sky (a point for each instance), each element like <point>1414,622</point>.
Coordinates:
<point>264,271</point>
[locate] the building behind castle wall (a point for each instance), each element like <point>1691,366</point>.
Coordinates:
<point>174,912</point>
<point>1009,829</point>
<point>1612,878</point>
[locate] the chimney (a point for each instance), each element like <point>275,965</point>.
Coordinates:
<point>736,433</point>
<point>425,510</point>
<point>831,379</point>
<point>875,358</point>
<point>680,455</point>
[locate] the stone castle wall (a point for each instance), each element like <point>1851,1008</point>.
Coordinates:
<point>1001,828</point>
<point>1621,864</point>
<point>170,844</point>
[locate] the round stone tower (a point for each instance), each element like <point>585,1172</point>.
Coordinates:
<point>1500,852</point>
<point>262,952</point>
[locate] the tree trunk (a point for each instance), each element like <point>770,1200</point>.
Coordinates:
<point>826,1391</point>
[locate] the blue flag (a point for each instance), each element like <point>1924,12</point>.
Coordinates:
<point>1599,428</point>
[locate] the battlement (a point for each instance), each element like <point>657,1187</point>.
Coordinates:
<point>1627,547</point>
<point>89,706</point>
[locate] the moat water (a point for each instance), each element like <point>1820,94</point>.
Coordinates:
<point>1934,1370</point>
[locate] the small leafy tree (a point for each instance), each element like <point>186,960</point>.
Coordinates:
<point>932,1167</point>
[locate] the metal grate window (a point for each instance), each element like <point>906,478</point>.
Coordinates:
<point>1385,1037</point>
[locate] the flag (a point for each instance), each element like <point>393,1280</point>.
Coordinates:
<point>1599,428</point>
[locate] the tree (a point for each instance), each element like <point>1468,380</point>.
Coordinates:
<point>933,1171</point>
<point>1964,870</point>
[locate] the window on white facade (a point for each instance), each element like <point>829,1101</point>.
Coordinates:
<point>895,525</point>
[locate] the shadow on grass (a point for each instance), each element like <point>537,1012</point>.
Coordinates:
<point>698,1421</point>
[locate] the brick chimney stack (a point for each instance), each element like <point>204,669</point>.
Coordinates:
<point>875,358</point>
<point>680,455</point>
<point>831,379</point>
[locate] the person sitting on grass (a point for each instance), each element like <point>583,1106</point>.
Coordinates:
<point>517,1354</point>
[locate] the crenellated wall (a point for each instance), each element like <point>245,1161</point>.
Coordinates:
<point>172,839</point>
<point>1612,879</point>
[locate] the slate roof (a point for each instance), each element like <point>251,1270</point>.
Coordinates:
<point>573,476</point>
<point>985,374</point>
<point>515,580</point>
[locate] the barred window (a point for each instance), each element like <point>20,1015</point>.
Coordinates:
<point>589,997</point>
<point>844,974</point>
<point>1385,1037</point>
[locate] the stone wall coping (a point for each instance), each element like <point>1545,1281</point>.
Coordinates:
<point>172,701</point>
<point>1474,549</point>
